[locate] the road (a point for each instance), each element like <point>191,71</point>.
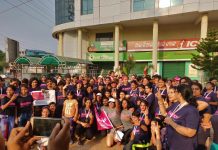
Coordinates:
<point>95,144</point>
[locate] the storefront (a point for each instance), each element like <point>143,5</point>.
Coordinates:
<point>174,56</point>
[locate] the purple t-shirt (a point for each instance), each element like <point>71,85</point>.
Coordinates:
<point>126,88</point>
<point>187,116</point>
<point>211,97</point>
<point>214,121</point>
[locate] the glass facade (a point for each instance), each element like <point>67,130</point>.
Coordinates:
<point>64,11</point>
<point>140,5</point>
<point>86,7</point>
<point>169,3</point>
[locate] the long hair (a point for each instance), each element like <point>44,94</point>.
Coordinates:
<point>187,94</point>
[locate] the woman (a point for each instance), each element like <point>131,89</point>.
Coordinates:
<point>113,113</point>
<point>9,110</point>
<point>150,98</point>
<point>211,97</point>
<point>202,104</point>
<point>162,87</point>
<point>34,85</point>
<point>182,119</point>
<point>139,133</point>
<point>85,122</point>
<point>144,113</point>
<point>125,117</point>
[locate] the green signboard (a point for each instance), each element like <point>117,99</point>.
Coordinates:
<point>143,56</point>
<point>164,55</point>
<point>96,46</point>
<point>104,57</point>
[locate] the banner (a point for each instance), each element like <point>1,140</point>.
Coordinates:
<point>43,97</point>
<point>103,121</point>
<point>183,44</point>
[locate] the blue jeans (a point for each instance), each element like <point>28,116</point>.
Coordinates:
<point>24,117</point>
<point>72,127</point>
<point>6,125</point>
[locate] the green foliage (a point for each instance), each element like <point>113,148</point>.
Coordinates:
<point>2,60</point>
<point>128,65</point>
<point>207,59</point>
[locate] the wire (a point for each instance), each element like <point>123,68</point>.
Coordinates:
<point>46,9</point>
<point>15,6</point>
<point>27,13</point>
<point>44,4</point>
<point>38,11</point>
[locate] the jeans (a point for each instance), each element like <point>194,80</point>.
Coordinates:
<point>6,125</point>
<point>72,128</point>
<point>87,132</point>
<point>24,117</point>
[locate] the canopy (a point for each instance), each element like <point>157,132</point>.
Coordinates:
<point>60,60</point>
<point>27,60</point>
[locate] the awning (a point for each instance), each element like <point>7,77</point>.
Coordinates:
<point>27,60</point>
<point>60,60</point>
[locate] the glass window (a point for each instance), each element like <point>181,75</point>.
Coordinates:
<point>140,5</point>
<point>164,3</point>
<point>86,7</point>
<point>176,2</point>
<point>64,11</point>
<point>168,3</point>
<point>104,36</point>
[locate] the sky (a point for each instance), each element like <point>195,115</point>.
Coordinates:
<point>30,22</point>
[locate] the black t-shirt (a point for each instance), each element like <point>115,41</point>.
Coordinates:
<point>85,115</point>
<point>10,110</point>
<point>187,116</point>
<point>214,121</point>
<point>25,104</point>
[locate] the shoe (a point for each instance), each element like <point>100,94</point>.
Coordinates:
<point>80,142</point>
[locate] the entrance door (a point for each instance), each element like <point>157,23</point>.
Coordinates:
<point>172,69</point>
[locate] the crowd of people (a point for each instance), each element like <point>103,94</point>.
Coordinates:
<point>174,114</point>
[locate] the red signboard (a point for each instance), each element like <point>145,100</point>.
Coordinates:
<point>183,44</point>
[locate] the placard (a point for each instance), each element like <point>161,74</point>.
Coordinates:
<point>43,97</point>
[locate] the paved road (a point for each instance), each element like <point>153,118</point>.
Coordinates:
<point>95,144</point>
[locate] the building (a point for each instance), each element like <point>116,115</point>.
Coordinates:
<point>159,32</point>
<point>33,53</point>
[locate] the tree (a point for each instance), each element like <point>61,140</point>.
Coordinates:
<point>207,58</point>
<point>2,60</point>
<point>128,65</point>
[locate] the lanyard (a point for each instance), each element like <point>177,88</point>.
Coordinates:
<point>162,93</point>
<point>78,93</point>
<point>87,114</point>
<point>148,96</point>
<point>134,129</point>
<point>207,94</point>
<point>141,117</point>
<point>178,107</point>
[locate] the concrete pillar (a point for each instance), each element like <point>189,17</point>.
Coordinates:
<point>79,44</point>
<point>60,51</point>
<point>204,27</point>
<point>155,46</point>
<point>116,47</point>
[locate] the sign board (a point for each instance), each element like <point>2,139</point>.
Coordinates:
<point>97,46</point>
<point>183,44</point>
<point>43,97</point>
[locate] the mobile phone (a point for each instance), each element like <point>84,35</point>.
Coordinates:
<point>43,126</point>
